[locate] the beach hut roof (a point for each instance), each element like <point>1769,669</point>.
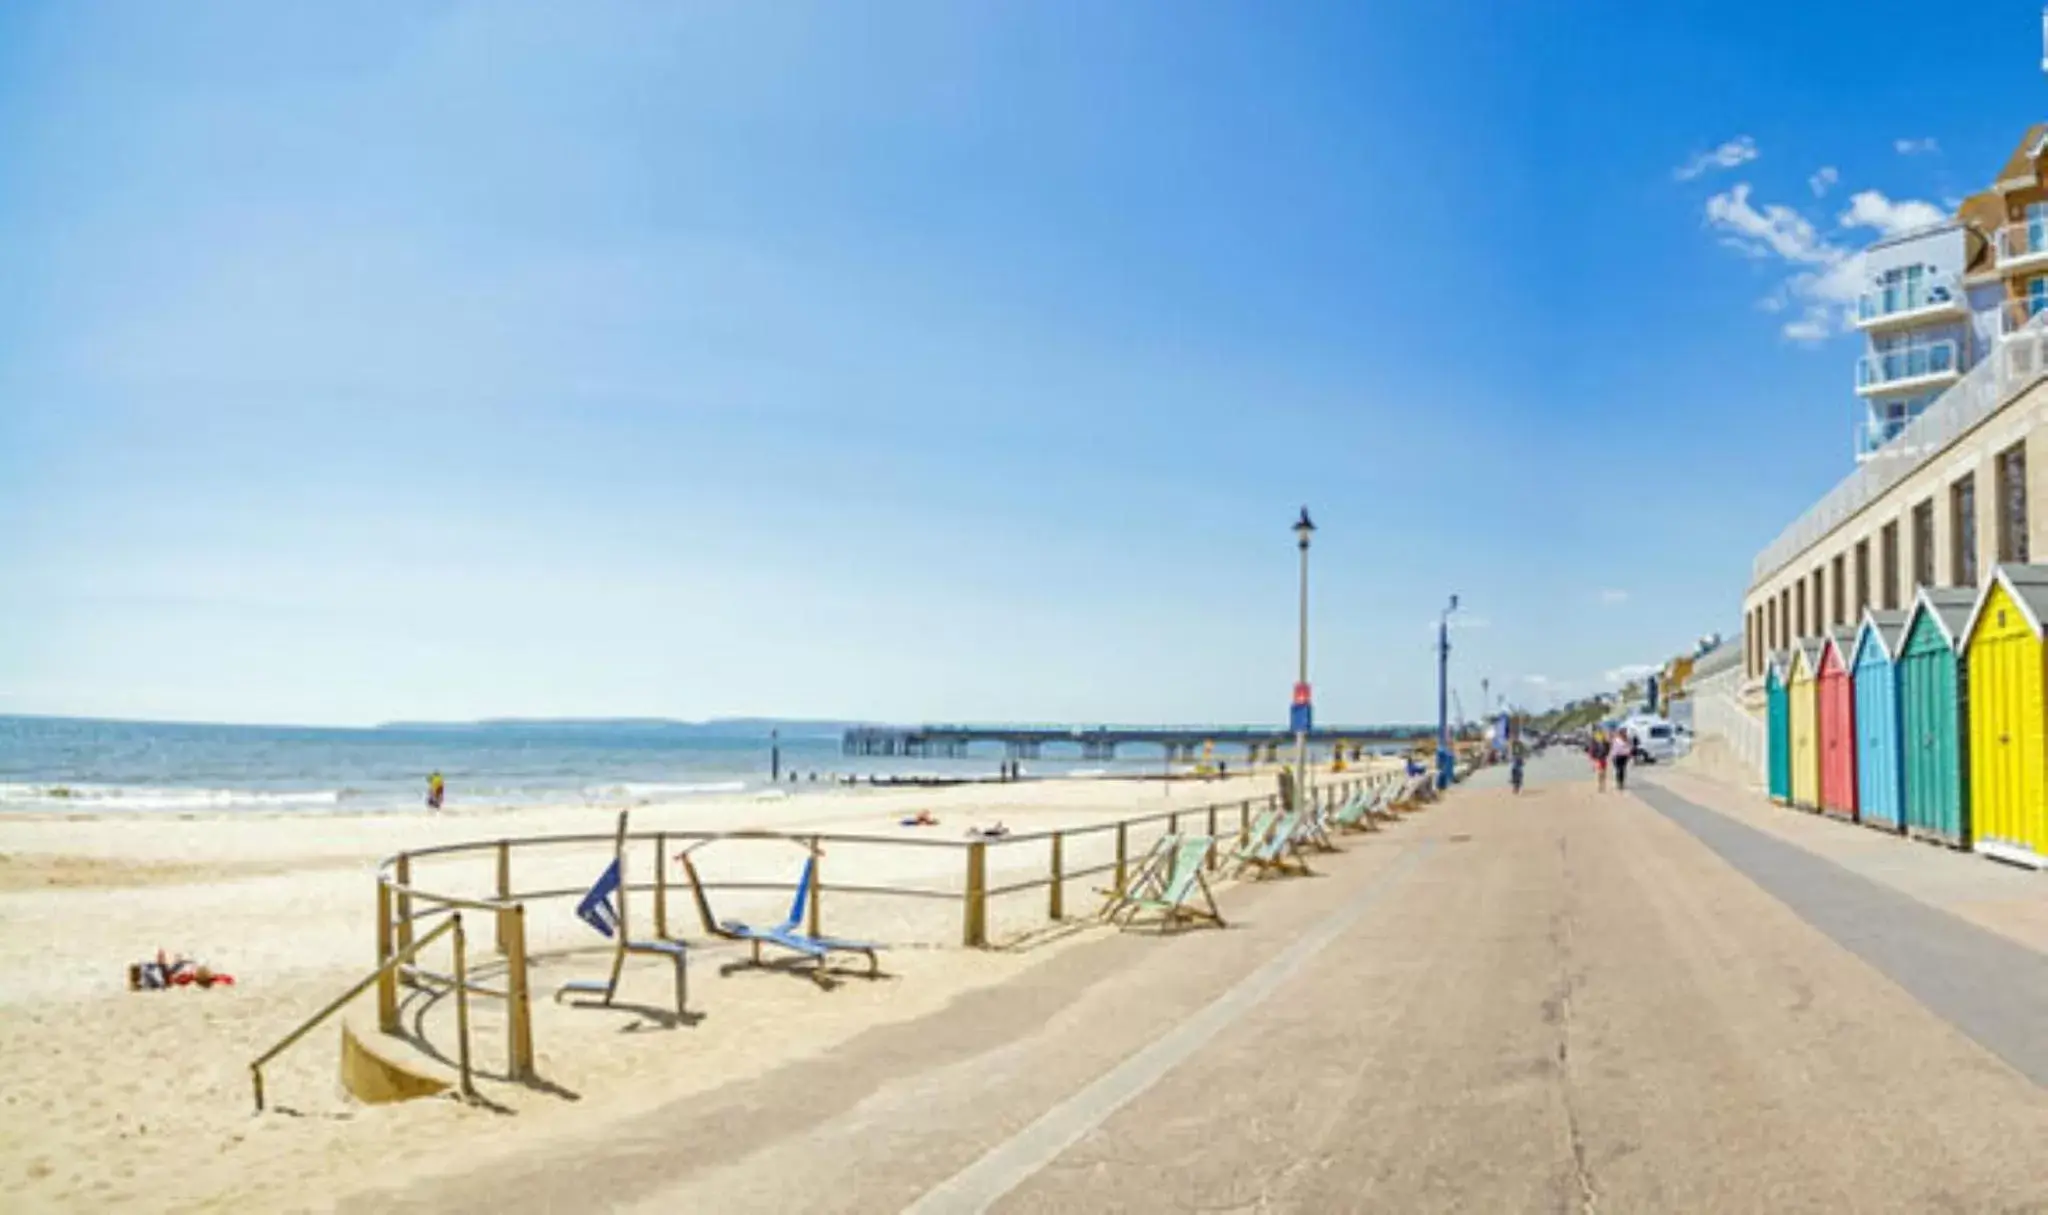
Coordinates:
<point>1950,606</point>
<point>1778,662</point>
<point>1885,630</point>
<point>1806,653</point>
<point>2028,587</point>
<point>1844,641</point>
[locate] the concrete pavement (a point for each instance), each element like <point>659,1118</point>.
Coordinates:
<point>1560,1001</point>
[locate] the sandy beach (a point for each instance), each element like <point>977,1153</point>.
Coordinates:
<point>142,1099</point>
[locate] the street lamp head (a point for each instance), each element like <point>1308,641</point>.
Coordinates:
<point>1302,527</point>
<point>1454,603</point>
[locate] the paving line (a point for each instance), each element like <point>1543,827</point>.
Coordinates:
<point>981,1184</point>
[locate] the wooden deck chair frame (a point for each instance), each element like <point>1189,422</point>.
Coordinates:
<point>1280,852</point>
<point>1146,879</point>
<point>1188,872</point>
<point>1253,841</point>
<point>607,990</point>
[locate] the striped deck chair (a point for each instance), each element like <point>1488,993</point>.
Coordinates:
<point>1279,851</point>
<point>1147,878</point>
<point>1174,904</point>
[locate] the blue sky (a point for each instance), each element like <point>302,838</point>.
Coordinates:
<point>928,361</point>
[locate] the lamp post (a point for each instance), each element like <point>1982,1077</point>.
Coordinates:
<point>1303,529</point>
<point>1443,707</point>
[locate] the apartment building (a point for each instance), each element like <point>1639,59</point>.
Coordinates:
<point>1952,474</point>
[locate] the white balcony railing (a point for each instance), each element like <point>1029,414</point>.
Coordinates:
<point>1909,365</point>
<point>2023,243</point>
<point>2015,315</point>
<point>2014,367</point>
<point>1898,301</point>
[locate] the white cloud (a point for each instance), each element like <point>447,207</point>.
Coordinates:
<point>1737,151</point>
<point>1632,670</point>
<point>1611,595</point>
<point>1812,326</point>
<point>1823,180</point>
<point>1780,229</point>
<point>1916,147</point>
<point>1871,209</point>
<point>1829,274</point>
<point>1541,681</point>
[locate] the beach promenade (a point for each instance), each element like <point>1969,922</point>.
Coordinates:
<point>1559,1002</point>
<point>1678,999</point>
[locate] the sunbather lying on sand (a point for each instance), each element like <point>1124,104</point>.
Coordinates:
<point>923,818</point>
<point>995,832</point>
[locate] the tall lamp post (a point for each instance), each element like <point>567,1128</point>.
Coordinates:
<point>1302,711</point>
<point>1443,707</point>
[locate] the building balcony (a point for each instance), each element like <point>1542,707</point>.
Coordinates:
<point>2023,248</point>
<point>1914,303</point>
<point>1913,369</point>
<point>2020,314</point>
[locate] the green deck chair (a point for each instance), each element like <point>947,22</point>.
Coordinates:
<point>1146,879</point>
<point>1174,905</point>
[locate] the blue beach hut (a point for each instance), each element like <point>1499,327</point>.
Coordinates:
<point>1880,793</point>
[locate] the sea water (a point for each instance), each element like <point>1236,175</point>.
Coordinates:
<point>78,766</point>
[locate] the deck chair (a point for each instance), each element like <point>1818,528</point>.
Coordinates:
<point>1279,851</point>
<point>1357,814</point>
<point>603,907</point>
<point>1253,840</point>
<point>1312,829</point>
<point>787,935</point>
<point>1184,879</point>
<point>1147,878</point>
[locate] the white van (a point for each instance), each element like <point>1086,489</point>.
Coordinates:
<point>1656,739</point>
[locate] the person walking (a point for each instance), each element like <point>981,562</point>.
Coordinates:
<point>1619,753</point>
<point>1597,750</point>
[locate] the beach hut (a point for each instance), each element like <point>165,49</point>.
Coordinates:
<point>1836,692</point>
<point>1874,670</point>
<point>1778,728</point>
<point>1933,708</point>
<point>1802,696</point>
<point>2008,661</point>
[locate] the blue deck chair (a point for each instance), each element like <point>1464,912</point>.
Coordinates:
<point>787,935</point>
<point>603,907</point>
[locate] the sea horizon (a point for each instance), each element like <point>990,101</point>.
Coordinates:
<point>80,765</point>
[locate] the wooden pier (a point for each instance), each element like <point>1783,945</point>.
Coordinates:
<point>1101,742</point>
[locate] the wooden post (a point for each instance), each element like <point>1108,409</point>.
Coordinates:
<point>1123,853</point>
<point>468,1089</point>
<point>387,980</point>
<point>661,886</point>
<point>404,908</point>
<point>1055,897</point>
<point>499,930</point>
<point>812,915</point>
<point>974,925</point>
<point>1173,823</point>
<point>518,1012</point>
<point>1212,838</point>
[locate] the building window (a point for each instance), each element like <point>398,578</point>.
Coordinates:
<point>1923,544</point>
<point>1820,601</point>
<point>1962,532</point>
<point>1785,620</point>
<point>1838,603</point>
<point>2012,503</point>
<point>1888,566</point>
<point>1862,577</point>
<point>1802,608</point>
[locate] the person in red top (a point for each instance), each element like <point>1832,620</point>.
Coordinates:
<point>1619,752</point>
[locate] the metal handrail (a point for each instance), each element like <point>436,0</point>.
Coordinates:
<point>1917,361</point>
<point>2033,240</point>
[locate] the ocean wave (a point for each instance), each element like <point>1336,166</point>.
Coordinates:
<point>661,791</point>
<point>92,798</point>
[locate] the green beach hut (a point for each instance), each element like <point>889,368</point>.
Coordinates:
<point>1778,728</point>
<point>1933,683</point>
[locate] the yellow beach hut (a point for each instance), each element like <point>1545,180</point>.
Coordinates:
<point>1802,685</point>
<point>2008,664</point>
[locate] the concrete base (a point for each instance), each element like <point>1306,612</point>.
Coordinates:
<point>375,1080</point>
